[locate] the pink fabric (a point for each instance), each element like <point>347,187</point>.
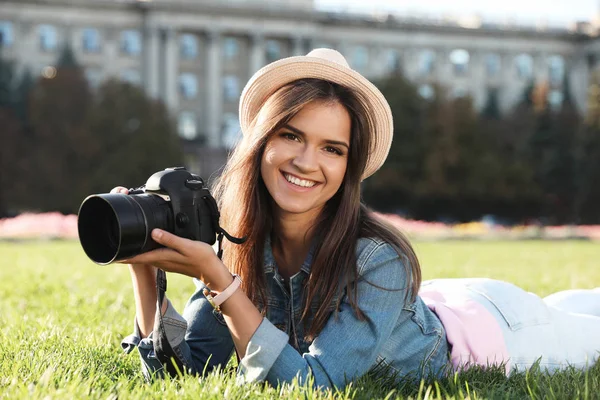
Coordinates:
<point>471,330</point>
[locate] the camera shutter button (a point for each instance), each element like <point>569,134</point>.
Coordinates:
<point>181,220</point>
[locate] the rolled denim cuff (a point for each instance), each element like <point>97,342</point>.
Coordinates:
<point>175,328</point>
<point>263,349</point>
<point>132,341</point>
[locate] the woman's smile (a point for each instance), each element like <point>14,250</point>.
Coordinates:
<point>297,183</point>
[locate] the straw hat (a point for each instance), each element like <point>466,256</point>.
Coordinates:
<point>329,65</point>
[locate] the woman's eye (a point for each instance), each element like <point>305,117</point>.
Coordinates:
<point>333,150</point>
<point>290,136</point>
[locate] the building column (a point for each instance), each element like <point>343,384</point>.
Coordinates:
<point>111,42</point>
<point>378,67</point>
<point>298,46</point>
<point>580,73</point>
<point>151,61</point>
<point>410,63</point>
<point>443,68</point>
<point>26,39</point>
<point>214,89</point>
<point>257,52</point>
<point>171,69</point>
<point>540,68</point>
<point>478,78</point>
<point>509,91</point>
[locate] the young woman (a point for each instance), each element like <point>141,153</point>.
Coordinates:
<point>321,287</point>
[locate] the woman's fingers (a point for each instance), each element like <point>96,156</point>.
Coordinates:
<point>156,257</point>
<point>120,189</point>
<point>172,241</point>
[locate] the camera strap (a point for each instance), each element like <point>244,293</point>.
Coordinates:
<point>215,216</point>
<point>171,361</point>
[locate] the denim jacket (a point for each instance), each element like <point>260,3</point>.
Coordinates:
<point>404,337</point>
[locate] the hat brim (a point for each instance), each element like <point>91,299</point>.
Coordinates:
<point>279,73</point>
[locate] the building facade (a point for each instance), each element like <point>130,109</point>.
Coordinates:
<point>196,55</point>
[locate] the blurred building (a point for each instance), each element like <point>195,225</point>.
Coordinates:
<point>196,55</point>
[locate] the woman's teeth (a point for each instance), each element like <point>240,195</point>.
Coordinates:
<point>299,182</point>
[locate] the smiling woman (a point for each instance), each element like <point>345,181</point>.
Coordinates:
<point>321,288</point>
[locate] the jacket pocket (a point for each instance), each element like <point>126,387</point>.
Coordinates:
<point>518,308</point>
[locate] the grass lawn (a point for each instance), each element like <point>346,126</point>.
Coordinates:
<point>62,318</point>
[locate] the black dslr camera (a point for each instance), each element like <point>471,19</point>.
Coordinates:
<point>117,226</point>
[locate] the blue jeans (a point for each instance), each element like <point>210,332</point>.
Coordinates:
<point>559,330</point>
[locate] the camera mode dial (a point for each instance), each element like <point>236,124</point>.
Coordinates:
<point>194,184</point>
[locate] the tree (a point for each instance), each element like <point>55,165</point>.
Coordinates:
<point>60,144</point>
<point>491,110</point>
<point>10,137</point>
<point>133,135</point>
<point>392,187</point>
<point>22,96</point>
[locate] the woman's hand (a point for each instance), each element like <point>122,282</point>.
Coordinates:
<point>186,257</point>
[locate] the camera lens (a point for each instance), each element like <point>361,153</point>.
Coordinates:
<point>118,226</point>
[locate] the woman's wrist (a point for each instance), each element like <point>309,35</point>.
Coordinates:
<point>220,279</point>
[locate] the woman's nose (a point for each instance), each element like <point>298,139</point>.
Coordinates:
<point>306,159</point>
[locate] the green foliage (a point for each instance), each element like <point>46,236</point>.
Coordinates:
<point>63,318</point>
<point>448,163</point>
<point>80,142</point>
<point>491,110</point>
<point>137,137</point>
<point>402,170</point>
<point>7,72</point>
<point>67,59</point>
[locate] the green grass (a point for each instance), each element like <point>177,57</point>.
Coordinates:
<point>62,319</point>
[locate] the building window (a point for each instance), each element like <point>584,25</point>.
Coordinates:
<point>272,51</point>
<point>426,62</point>
<point>524,65</point>
<point>360,58</point>
<point>188,45</point>
<point>6,34</point>
<point>93,76</point>
<point>392,61</point>
<point>188,85</point>
<point>232,132</point>
<point>131,42</point>
<point>231,48</point>
<point>426,91</point>
<point>459,59</point>
<point>91,40</point>
<point>231,88</point>
<point>492,65</point>
<point>131,76</point>
<point>556,70</point>
<point>555,99</point>
<point>48,37</point>
<point>187,126</point>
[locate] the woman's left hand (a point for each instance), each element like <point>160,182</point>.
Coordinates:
<point>187,257</point>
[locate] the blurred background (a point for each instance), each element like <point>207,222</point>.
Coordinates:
<point>496,105</point>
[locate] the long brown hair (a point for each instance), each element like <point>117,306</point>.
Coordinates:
<point>246,211</point>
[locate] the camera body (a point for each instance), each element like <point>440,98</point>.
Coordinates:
<point>115,226</point>
<point>192,205</point>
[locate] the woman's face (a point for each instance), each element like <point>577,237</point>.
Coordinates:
<point>304,162</point>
